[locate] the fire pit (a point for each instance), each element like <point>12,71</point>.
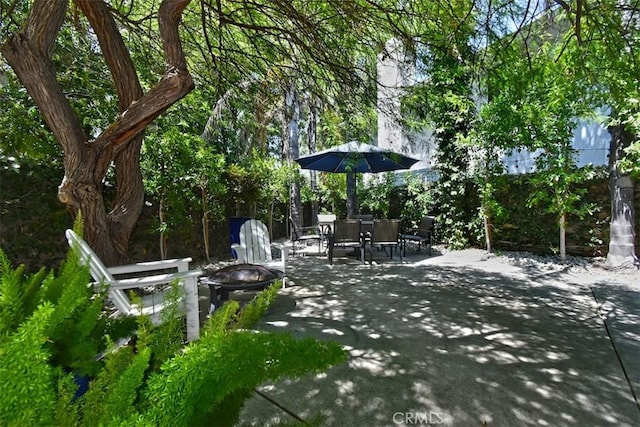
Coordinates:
<point>237,277</point>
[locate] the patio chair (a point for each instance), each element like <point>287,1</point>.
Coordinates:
<point>255,247</point>
<point>153,303</point>
<point>346,233</point>
<point>365,217</point>
<point>385,234</point>
<point>421,235</point>
<point>304,235</point>
<point>367,223</point>
<point>325,224</point>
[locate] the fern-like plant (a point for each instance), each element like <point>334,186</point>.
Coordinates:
<point>53,324</point>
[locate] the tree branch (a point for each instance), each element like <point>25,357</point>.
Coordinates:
<point>114,51</point>
<point>29,54</point>
<point>174,85</point>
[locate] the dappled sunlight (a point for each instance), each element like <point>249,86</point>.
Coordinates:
<point>466,344</point>
<point>376,363</point>
<point>619,308</point>
<point>509,339</point>
<point>582,399</point>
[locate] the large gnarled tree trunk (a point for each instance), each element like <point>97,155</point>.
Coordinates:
<point>86,161</point>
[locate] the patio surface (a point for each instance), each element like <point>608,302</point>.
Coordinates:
<point>460,339</point>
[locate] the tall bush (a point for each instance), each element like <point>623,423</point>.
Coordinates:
<point>375,197</point>
<point>417,202</point>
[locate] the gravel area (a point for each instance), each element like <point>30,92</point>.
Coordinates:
<point>590,268</point>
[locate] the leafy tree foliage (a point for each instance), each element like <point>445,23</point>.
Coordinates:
<point>30,53</point>
<point>376,197</point>
<point>227,43</point>
<point>540,114</point>
<point>418,202</point>
<point>444,102</point>
<point>241,56</point>
<point>562,67</point>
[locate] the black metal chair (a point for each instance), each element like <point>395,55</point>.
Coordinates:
<point>346,233</point>
<point>421,235</point>
<point>304,235</point>
<point>385,234</point>
<point>367,223</point>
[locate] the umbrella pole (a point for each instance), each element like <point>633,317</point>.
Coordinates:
<point>351,195</point>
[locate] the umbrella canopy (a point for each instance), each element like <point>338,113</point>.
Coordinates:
<point>356,157</point>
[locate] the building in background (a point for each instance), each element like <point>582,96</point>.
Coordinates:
<point>396,72</point>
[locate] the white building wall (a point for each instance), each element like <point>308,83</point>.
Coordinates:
<point>396,72</point>
<point>391,81</point>
<point>590,139</point>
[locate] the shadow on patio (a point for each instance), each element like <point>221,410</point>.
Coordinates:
<point>450,342</point>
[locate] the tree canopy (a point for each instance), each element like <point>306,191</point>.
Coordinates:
<point>98,73</point>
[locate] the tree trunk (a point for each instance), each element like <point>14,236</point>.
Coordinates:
<point>292,117</point>
<point>351,195</point>
<point>487,231</point>
<point>205,219</point>
<point>163,235</point>
<point>311,144</point>
<point>622,234</point>
<point>563,241</point>
<point>86,162</point>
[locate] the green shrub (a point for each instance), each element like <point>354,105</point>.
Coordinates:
<point>49,327</point>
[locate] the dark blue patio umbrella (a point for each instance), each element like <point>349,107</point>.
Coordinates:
<point>355,157</point>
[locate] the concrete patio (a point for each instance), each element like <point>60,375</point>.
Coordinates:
<point>461,339</point>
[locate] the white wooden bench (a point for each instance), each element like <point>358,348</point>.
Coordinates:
<point>153,303</point>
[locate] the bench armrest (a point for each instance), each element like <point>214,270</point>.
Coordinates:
<point>182,264</point>
<point>158,279</point>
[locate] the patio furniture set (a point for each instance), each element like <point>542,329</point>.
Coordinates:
<point>383,234</point>
<point>256,266</point>
<point>363,231</point>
